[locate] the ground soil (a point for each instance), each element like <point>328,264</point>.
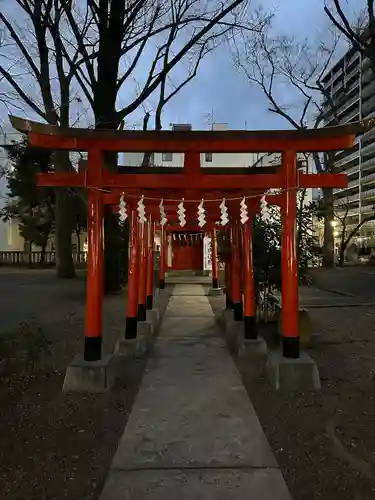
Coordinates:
<point>53,445</point>
<point>324,441</point>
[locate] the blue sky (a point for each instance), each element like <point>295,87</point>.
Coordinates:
<point>219,89</point>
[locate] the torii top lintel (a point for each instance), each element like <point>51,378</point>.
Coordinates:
<point>192,179</point>
<point>232,141</point>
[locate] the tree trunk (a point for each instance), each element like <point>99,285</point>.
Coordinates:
<point>328,241</point>
<point>43,255</point>
<point>63,235</point>
<point>112,248</point>
<point>343,246</point>
<point>78,235</point>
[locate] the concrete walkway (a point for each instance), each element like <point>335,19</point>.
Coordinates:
<point>193,432</point>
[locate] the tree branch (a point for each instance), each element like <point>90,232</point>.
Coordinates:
<point>8,77</point>
<point>150,87</point>
<point>346,29</point>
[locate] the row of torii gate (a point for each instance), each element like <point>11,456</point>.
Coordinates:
<point>152,195</point>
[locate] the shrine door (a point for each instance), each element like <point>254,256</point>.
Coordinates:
<point>187,254</point>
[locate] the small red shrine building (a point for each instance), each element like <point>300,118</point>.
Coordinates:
<point>185,251</point>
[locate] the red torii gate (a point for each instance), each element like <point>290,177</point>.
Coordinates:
<point>212,214</point>
<point>191,179</point>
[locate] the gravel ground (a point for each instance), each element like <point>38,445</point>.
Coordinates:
<point>324,442</point>
<point>56,446</point>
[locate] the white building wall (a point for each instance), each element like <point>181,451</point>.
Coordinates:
<point>6,135</point>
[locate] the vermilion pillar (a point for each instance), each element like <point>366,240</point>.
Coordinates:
<point>215,264</point>
<point>228,285</point>
<point>132,303</point>
<point>228,279</point>
<point>236,274</point>
<point>289,290</point>
<point>162,263</point>
<point>142,285</point>
<point>250,322</point>
<point>94,283</point>
<point>150,267</point>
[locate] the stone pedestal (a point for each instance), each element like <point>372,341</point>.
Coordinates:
<point>153,317</point>
<point>300,374</point>
<point>255,347</point>
<point>215,292</point>
<point>233,331</point>
<point>146,329</point>
<point>227,318</point>
<point>132,348</point>
<point>89,376</point>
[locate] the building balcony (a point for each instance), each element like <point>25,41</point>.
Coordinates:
<point>352,170</point>
<point>334,77</point>
<point>368,179</point>
<point>366,165</point>
<point>354,57</point>
<point>368,136</point>
<point>370,193</point>
<point>346,200</point>
<point>368,150</point>
<point>353,213</point>
<point>351,185</point>
<point>341,98</point>
<point>339,82</point>
<point>347,159</point>
<point>368,107</point>
<point>353,115</point>
<point>368,90</point>
<point>347,104</point>
<point>365,209</point>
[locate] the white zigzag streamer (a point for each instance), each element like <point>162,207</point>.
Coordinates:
<point>224,219</point>
<point>141,211</point>
<point>122,209</point>
<point>201,214</point>
<point>163,217</point>
<point>243,212</point>
<point>181,213</point>
<point>264,208</point>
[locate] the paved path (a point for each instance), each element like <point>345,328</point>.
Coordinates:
<point>193,432</point>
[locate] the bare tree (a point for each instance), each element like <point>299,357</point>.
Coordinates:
<point>146,40</point>
<point>341,213</point>
<point>34,75</point>
<point>360,32</point>
<point>289,73</point>
<point>100,46</point>
<point>159,34</point>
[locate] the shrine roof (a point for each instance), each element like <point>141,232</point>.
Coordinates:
<point>199,140</point>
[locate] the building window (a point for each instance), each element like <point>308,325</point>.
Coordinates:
<point>208,157</point>
<point>167,156</point>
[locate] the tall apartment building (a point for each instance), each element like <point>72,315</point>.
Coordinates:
<point>351,85</point>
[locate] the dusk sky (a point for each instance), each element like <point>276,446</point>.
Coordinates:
<point>218,87</point>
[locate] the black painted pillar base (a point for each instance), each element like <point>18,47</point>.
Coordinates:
<point>131,327</point>
<point>237,311</point>
<point>251,327</point>
<point>142,312</point>
<point>161,284</point>
<point>228,302</point>
<point>92,349</point>
<point>290,347</point>
<point>149,302</point>
<point>215,283</point>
